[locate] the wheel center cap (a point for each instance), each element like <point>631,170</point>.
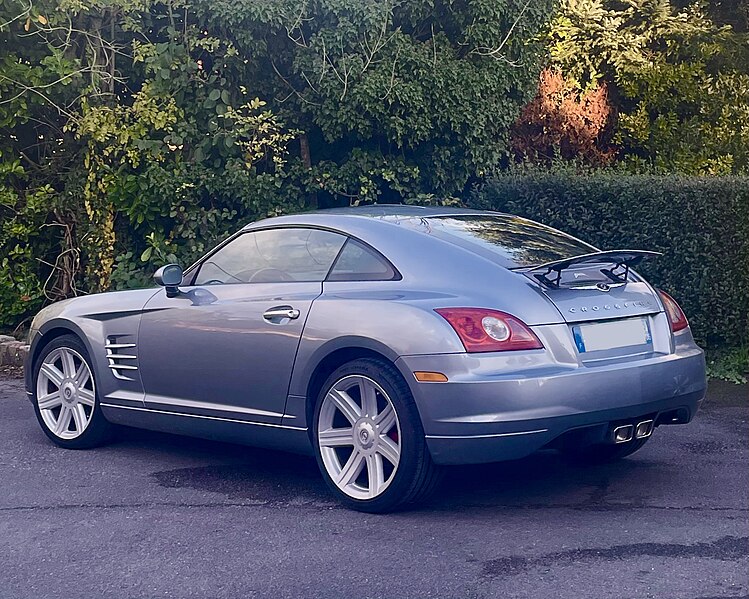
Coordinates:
<point>68,393</point>
<point>365,434</point>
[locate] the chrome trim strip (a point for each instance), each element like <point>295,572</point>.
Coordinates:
<point>541,430</point>
<point>618,357</point>
<point>125,398</point>
<point>294,428</point>
<point>204,405</point>
<point>594,287</point>
<point>122,377</point>
<point>118,369</point>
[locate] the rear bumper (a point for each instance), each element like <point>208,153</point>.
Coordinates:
<point>500,407</point>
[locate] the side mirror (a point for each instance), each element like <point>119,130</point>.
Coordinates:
<point>170,277</point>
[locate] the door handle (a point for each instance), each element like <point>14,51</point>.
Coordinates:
<point>281,312</point>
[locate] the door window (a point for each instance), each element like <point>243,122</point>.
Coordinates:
<point>272,256</point>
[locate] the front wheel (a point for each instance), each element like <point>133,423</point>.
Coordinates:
<point>368,438</point>
<point>65,397</point>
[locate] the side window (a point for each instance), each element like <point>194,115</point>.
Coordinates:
<point>272,256</point>
<point>357,262</point>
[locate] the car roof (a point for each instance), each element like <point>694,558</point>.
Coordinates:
<point>400,210</point>
<point>406,229</point>
<point>387,212</point>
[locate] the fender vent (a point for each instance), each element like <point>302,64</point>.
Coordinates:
<point>121,357</point>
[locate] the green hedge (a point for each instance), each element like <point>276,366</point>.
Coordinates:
<point>700,224</point>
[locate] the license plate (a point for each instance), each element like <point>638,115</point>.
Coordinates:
<point>611,334</point>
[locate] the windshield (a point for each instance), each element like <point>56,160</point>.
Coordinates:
<point>519,242</point>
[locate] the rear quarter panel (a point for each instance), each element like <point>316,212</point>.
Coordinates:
<point>377,316</point>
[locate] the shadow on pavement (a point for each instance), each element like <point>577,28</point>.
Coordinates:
<point>247,474</point>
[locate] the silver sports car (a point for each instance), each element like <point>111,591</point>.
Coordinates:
<point>385,340</point>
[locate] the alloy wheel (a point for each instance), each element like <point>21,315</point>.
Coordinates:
<point>359,437</point>
<point>65,393</point>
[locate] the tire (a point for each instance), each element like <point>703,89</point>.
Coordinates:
<point>64,387</point>
<point>601,454</point>
<point>350,443</point>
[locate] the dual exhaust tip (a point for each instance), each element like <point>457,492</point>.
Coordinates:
<point>624,434</point>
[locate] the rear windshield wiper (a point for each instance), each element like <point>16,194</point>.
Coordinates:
<point>550,273</point>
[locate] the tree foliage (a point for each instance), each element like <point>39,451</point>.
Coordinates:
<point>564,122</point>
<point>679,81</point>
<point>137,132</point>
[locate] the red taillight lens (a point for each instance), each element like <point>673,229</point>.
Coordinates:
<point>483,330</point>
<point>676,317</point>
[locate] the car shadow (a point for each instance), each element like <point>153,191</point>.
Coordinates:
<point>251,475</point>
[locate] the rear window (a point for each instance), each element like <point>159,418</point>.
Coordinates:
<point>517,241</point>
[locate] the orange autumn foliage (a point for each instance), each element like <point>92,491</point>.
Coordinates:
<point>563,121</point>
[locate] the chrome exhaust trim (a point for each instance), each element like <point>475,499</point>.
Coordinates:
<point>623,434</point>
<point>644,429</point>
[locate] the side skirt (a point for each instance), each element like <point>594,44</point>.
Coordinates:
<point>271,436</point>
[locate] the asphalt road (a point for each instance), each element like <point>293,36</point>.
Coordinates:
<point>163,516</point>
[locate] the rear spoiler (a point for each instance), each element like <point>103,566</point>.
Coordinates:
<point>621,259</point>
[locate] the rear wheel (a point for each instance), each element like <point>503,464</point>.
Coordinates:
<point>65,398</point>
<point>600,454</point>
<point>368,438</point>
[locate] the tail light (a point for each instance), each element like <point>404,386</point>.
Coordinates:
<point>483,330</point>
<point>676,317</point>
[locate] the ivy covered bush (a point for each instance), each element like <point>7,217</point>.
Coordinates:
<point>139,132</point>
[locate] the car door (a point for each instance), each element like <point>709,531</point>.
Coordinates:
<point>225,346</point>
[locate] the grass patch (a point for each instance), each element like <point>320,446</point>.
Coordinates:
<point>730,365</point>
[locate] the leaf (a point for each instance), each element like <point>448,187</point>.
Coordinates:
<point>42,19</point>
<point>27,24</point>
<point>214,95</point>
<point>226,97</point>
<point>146,255</point>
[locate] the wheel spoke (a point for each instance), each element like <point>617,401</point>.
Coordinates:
<point>68,365</point>
<point>336,437</point>
<point>375,473</point>
<point>82,375</point>
<point>368,398</point>
<point>79,417</point>
<point>49,401</point>
<point>345,404</point>
<point>52,373</point>
<point>63,420</point>
<point>86,396</point>
<point>351,470</point>
<point>385,419</point>
<point>389,450</point>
